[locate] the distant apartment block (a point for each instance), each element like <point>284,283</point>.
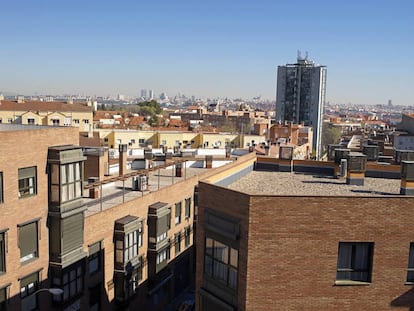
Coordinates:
<point>300,96</point>
<point>50,113</point>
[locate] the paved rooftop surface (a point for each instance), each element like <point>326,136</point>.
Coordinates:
<point>278,183</point>
<point>115,193</point>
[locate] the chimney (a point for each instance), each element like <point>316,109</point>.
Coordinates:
<point>285,159</point>
<point>20,99</point>
<point>209,161</point>
<point>90,131</point>
<point>356,167</point>
<point>178,170</point>
<point>122,158</point>
<point>407,178</point>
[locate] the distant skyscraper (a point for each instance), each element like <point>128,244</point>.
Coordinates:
<point>144,94</point>
<point>300,96</point>
<point>151,95</point>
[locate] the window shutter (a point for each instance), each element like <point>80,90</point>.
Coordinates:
<point>162,224</point>
<point>72,232</point>
<point>33,278</point>
<point>27,172</point>
<point>28,239</point>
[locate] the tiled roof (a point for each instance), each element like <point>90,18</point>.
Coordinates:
<point>94,141</point>
<point>8,105</point>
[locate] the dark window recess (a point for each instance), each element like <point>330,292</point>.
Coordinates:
<point>354,261</point>
<point>95,258</point>
<point>410,270</point>
<point>126,284</point>
<point>95,298</point>
<point>187,236</point>
<point>177,213</point>
<point>187,208</point>
<point>27,181</point>
<point>2,252</point>
<point>3,298</point>
<point>28,241</point>
<point>221,262</point>
<point>28,286</point>
<point>70,280</point>
<point>177,241</point>
<point>1,188</point>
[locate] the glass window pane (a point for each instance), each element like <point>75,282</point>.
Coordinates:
<point>71,177</point>
<point>209,246</point>
<point>220,271</point>
<point>410,276</point>
<point>63,179</point>
<point>77,171</point>
<point>66,292</point>
<point>72,275</point>
<point>78,189</point>
<point>64,193</point>
<point>79,284</point>
<point>71,191</point>
<point>232,278</point>
<point>208,265</point>
<point>234,257</point>
<point>72,287</point>
<point>345,256</point>
<point>221,252</point>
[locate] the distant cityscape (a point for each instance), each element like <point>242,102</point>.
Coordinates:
<point>173,202</point>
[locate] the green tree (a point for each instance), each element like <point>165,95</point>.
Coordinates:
<point>151,107</point>
<point>330,135</point>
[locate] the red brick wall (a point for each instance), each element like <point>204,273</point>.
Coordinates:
<point>24,149</point>
<point>293,248</point>
<point>230,203</point>
<point>100,226</point>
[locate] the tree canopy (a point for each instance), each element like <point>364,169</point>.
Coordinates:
<point>149,108</point>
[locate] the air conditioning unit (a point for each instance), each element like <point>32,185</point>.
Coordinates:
<point>139,183</point>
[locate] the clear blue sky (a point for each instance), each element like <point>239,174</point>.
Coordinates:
<point>206,48</point>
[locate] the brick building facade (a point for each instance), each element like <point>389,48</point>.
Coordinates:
<point>107,252</point>
<point>303,244</point>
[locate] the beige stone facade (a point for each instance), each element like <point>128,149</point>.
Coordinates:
<point>28,112</point>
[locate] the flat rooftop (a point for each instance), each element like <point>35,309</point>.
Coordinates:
<point>116,193</point>
<point>297,184</point>
<point>6,127</point>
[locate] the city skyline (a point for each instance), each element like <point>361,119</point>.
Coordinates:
<point>212,49</point>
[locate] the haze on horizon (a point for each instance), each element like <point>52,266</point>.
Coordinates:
<point>207,49</point>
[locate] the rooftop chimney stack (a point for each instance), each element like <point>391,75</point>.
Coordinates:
<point>407,178</point>
<point>209,161</point>
<point>122,158</point>
<point>20,99</point>
<point>357,163</point>
<point>285,159</point>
